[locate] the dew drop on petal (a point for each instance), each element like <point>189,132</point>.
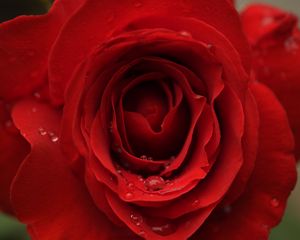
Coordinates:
<point>136,219</point>
<point>140,178</point>
<point>53,137</point>
<point>164,229</point>
<point>42,131</point>
<point>154,183</point>
<point>267,21</point>
<point>143,157</point>
<point>185,33</point>
<point>274,202</point>
<point>195,203</point>
<point>142,233</point>
<point>130,185</point>
<point>37,95</point>
<point>129,195</point>
<point>291,45</point>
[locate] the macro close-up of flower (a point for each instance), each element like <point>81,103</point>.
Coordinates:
<point>148,119</point>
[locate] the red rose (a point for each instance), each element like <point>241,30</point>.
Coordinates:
<point>275,39</point>
<point>139,120</point>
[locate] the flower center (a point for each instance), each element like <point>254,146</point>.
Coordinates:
<point>149,100</point>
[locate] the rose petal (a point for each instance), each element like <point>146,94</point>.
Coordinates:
<point>13,150</point>
<point>58,206</point>
<point>276,44</point>
<point>25,45</point>
<point>100,18</point>
<point>262,205</point>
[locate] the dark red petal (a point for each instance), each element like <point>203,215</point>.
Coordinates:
<point>262,205</point>
<point>276,44</point>
<point>25,46</point>
<point>13,150</point>
<point>45,193</point>
<point>249,143</point>
<point>97,19</point>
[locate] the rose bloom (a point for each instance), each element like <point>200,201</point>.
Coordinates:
<point>153,119</point>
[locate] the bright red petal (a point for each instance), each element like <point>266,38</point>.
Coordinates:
<point>45,193</point>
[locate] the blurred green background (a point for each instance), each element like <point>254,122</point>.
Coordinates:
<point>10,229</point>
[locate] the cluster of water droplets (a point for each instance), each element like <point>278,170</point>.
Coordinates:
<point>51,135</point>
<point>162,229</point>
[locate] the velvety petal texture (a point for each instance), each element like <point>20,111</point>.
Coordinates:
<point>143,120</point>
<point>275,39</point>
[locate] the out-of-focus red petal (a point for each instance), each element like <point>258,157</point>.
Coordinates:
<point>275,40</point>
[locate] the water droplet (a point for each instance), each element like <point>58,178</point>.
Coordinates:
<point>195,203</point>
<point>140,178</point>
<point>143,157</point>
<point>129,195</point>
<point>164,229</point>
<point>137,4</point>
<point>37,95</point>
<point>267,21</point>
<point>291,45</point>
<point>42,131</point>
<point>150,158</point>
<point>210,46</point>
<point>53,137</point>
<point>136,219</point>
<point>227,209</point>
<point>154,183</point>
<point>274,202</point>
<point>33,109</point>
<point>130,185</point>
<point>142,233</point>
<point>185,33</point>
